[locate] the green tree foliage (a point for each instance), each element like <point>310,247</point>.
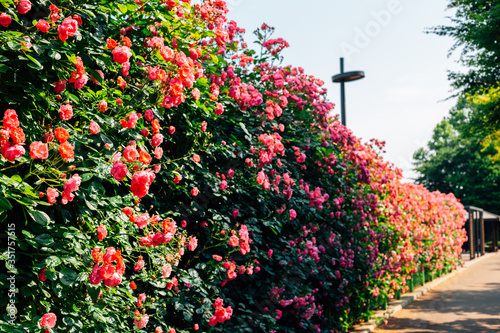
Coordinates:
<point>476,31</point>
<point>455,161</point>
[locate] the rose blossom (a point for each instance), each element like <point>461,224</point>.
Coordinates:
<point>66,112</point>
<point>67,28</point>
<point>121,54</point>
<point>157,140</point>
<point>5,20</point>
<point>48,321</point>
<point>39,150</point>
<point>24,7</point>
<point>102,232</point>
<point>119,171</point>
<point>52,194</point>
<point>94,127</point>
<point>14,152</point>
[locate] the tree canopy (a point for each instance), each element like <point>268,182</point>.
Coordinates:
<point>475,29</point>
<point>458,162</point>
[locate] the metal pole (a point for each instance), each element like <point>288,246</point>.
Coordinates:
<point>342,93</point>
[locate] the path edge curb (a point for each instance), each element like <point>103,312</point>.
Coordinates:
<point>396,305</point>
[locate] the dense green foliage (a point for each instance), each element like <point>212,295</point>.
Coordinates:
<point>456,161</point>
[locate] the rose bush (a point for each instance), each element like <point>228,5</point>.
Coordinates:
<point>183,181</point>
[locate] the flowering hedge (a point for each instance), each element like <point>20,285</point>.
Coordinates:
<point>158,175</point>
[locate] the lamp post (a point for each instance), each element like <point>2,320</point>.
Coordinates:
<point>345,77</point>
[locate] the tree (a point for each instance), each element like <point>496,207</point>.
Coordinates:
<point>456,162</point>
<point>476,31</point>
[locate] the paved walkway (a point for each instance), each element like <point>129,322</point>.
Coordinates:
<point>467,302</point>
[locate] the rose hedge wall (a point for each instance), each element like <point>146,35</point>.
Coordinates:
<point>159,175</point>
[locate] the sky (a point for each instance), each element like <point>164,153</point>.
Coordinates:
<point>405,92</point>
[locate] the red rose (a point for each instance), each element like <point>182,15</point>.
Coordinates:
<point>59,86</point>
<point>111,43</point>
<point>42,25</point>
<point>17,135</point>
<point>121,54</point>
<point>24,7</point>
<point>144,157</point>
<point>39,150</point>
<point>5,20</point>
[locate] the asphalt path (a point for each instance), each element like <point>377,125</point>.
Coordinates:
<point>467,302</point>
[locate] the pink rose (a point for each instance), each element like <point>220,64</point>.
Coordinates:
<point>67,28</point>
<point>73,183</point>
<point>24,7</point>
<point>157,140</point>
<point>48,321</point>
<point>121,54</point>
<point>39,150</point>
<point>223,185</point>
<point>141,323</point>
<point>81,81</point>
<point>234,241</point>
<point>119,171</point>
<point>293,214</point>
<point>66,112</point>
<point>196,93</point>
<point>193,243</point>
<point>102,232</point>
<point>194,191</point>
<point>5,20</point>
<point>14,152</point>
<point>132,120</point>
<point>149,115</point>
<point>95,277</point>
<point>139,265</point>
<point>42,25</point>
<point>115,280</point>
<point>142,220</point>
<point>125,68</point>
<point>94,127</point>
<point>52,194</point>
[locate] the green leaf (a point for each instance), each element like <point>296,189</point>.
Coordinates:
<point>96,190</point>
<point>4,204</point>
<point>39,217</point>
<point>122,8</point>
<point>45,240</point>
<point>87,176</point>
<point>52,261</point>
<point>37,65</point>
<point>68,276</point>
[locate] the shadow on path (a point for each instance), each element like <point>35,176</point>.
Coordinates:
<point>468,302</point>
